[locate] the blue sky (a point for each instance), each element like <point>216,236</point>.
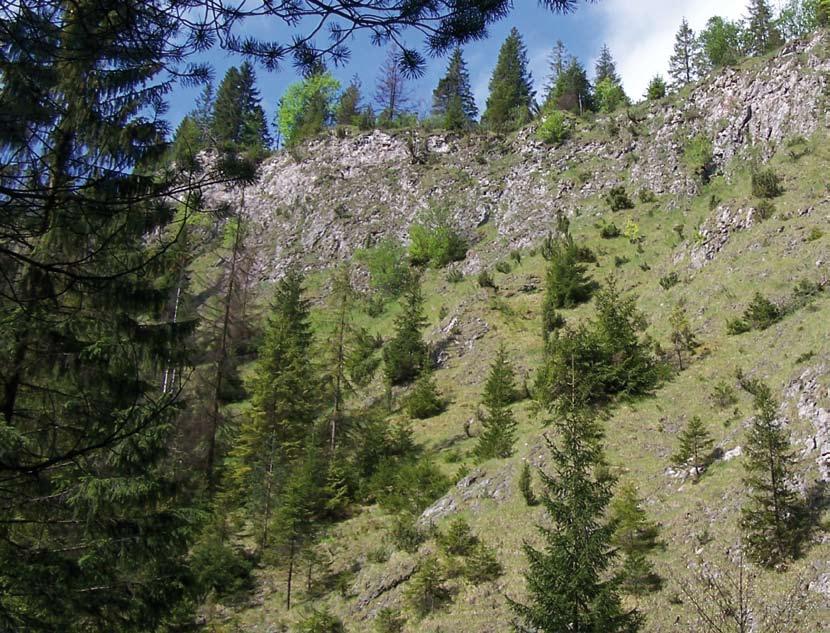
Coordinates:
<point>640,34</point>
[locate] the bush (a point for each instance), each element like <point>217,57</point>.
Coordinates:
<point>815,234</point>
<point>455,276</point>
<point>618,200</point>
<point>609,231</point>
<point>698,156</point>
<point>669,281</point>
<point>737,326</point>
<point>619,262</point>
<point>406,535</point>
<point>386,263</point>
<point>320,622</point>
<point>485,280</point>
<point>388,621</point>
<point>765,209</point>
<point>219,567</point>
<point>766,184</point>
<point>761,313</point>
<point>424,401</point>
<point>409,485</point>
<point>503,267</point>
<point>435,241</point>
<point>646,195</point>
<point>555,128</point>
<point>425,592</point>
<point>723,395</point>
<point>516,256</point>
<point>459,539</point>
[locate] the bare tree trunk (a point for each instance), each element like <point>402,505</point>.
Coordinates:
<point>290,575</point>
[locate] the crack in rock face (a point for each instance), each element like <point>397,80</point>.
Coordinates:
<point>812,398</point>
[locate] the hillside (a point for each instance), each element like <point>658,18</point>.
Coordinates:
<point>696,236</point>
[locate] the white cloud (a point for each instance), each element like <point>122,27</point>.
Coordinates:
<point>640,33</point>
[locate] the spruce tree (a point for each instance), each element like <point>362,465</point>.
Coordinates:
<point>771,517</point>
<point>406,354</point>
<point>566,281</point>
<point>761,31</point>
<point>499,426</point>
<point>254,134</point>
<point>510,102</point>
<point>573,91</point>
<point>425,400</point>
<point>558,61</point>
<point>606,67</point>
<point>348,106</point>
<point>683,65</point>
<point>94,520</point>
<point>202,114</point>
<point>656,88</point>
<point>695,443</point>
<point>228,113</point>
<point>452,99</point>
<point>635,536</point>
<point>284,405</point>
<point>568,582</point>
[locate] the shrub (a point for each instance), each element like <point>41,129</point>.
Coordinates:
<point>737,326</point>
<point>632,232</point>
<point>455,276</point>
<point>526,485</point>
<point>761,313</point>
<point>406,535</point>
<point>555,128</point>
<point>815,234</point>
<point>765,209</point>
<point>485,280</point>
<point>459,539</point>
<point>609,231</point>
<point>503,267</point>
<point>698,156</point>
<point>619,262</point>
<point>386,263</point>
<point>766,184</point>
<point>435,240</point>
<point>388,621</point>
<point>425,592</point>
<point>481,564</point>
<point>723,395</point>
<point>646,195</point>
<point>424,401</point>
<point>409,485</point>
<point>516,256</point>
<point>669,281</point>
<point>618,200</point>
<point>219,567</point>
<point>320,622</point>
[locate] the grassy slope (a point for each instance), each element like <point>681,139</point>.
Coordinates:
<point>641,435</point>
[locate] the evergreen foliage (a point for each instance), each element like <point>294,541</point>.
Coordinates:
<point>762,34</point>
<point>424,401</point>
<point>694,446</point>
<point>607,355</point>
<point>635,537</point>
<point>452,100</point>
<point>499,426</point>
<point>566,281</point>
<point>572,91</point>
<point>617,199</point>
<point>458,540</point>
<point>526,485</point>
<point>766,184</point>
<point>761,313</point>
<point>482,565</point>
<point>510,102</point>
<point>656,88</point>
<point>238,121</point>
<point>426,592</point>
<point>226,122</point>
<point>348,106</point>
<point>606,68</point>
<point>406,355</point>
<point>568,583</point>
<point>685,60</point>
<point>558,61</point>
<point>772,517</point>
<point>321,622</point>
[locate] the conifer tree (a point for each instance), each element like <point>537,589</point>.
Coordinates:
<point>510,102</point>
<point>695,442</point>
<point>228,110</point>
<point>558,61</point>
<point>254,134</point>
<point>452,99</point>
<point>573,91</point>
<point>771,518</point>
<point>566,281</point>
<point>683,338</point>
<point>285,404</point>
<point>406,354</point>
<point>94,522</point>
<point>424,401</point>
<point>202,114</point>
<point>499,426</point>
<point>568,584</point>
<point>606,67</point>
<point>683,65</point>
<point>635,536</point>
<point>761,30</point>
<point>656,88</point>
<point>348,106</point>
<point>340,346</point>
